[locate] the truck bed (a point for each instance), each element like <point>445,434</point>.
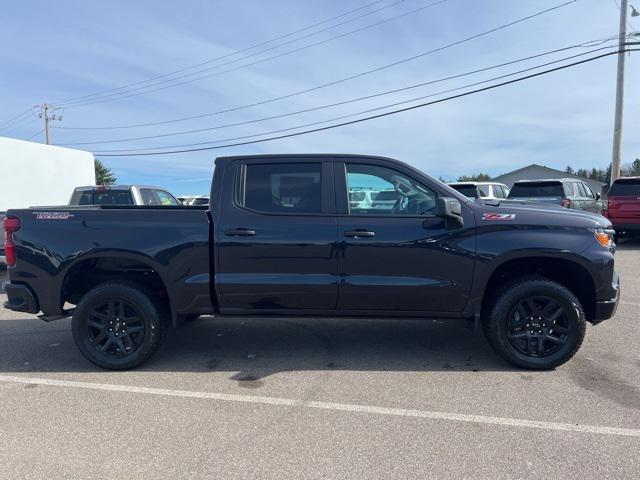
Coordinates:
<point>167,243</point>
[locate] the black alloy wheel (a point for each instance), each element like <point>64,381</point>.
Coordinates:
<point>538,326</point>
<point>534,323</point>
<point>115,328</point>
<point>119,325</point>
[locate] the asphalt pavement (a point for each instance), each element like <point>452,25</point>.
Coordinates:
<point>322,399</point>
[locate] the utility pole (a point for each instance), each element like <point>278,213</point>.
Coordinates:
<point>617,128</point>
<point>48,113</point>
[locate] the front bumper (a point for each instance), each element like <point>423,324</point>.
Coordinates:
<point>20,298</point>
<point>606,309</point>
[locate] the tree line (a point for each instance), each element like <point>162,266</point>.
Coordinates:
<point>599,174</point>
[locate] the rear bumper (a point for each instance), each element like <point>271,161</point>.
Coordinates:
<point>606,309</point>
<point>20,298</point>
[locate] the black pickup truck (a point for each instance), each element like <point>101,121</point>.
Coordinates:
<point>283,236</point>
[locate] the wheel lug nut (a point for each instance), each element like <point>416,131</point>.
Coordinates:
<point>531,332</point>
<point>539,331</point>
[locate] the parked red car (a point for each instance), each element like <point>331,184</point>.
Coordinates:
<point>622,206</point>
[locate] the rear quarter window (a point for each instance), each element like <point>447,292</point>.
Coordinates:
<point>625,188</point>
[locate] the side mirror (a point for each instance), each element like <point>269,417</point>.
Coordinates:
<point>450,209</point>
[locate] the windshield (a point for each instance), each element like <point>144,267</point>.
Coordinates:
<point>536,189</point>
<point>625,188</point>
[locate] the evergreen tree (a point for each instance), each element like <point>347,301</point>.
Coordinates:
<point>104,175</point>
<point>480,177</point>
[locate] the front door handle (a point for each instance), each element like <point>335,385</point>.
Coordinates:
<point>359,233</point>
<point>240,232</point>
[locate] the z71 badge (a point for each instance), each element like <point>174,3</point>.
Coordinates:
<point>499,217</point>
<point>53,215</point>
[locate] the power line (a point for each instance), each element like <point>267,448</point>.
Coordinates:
<point>29,121</point>
<point>351,115</point>
<point>16,119</point>
<point>245,49</point>
<point>149,88</point>
<point>354,76</point>
<point>380,115</point>
<point>344,102</point>
<point>35,134</point>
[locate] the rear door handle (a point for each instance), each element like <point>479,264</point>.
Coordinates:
<point>359,233</point>
<point>240,232</point>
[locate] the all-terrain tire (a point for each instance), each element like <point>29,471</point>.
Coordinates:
<point>119,325</point>
<point>512,324</point>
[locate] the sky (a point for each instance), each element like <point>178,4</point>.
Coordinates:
<point>56,51</point>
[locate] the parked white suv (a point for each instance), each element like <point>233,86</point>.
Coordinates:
<point>481,190</point>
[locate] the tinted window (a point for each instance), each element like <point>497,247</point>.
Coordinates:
<point>469,191</point>
<point>536,189</point>
<point>149,197</point>
<point>625,188</point>
<point>111,197</point>
<point>397,194</point>
<point>497,191</point>
<point>200,201</point>
<point>283,188</point>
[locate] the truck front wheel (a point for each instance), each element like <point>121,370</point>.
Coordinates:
<point>118,325</point>
<point>535,323</point>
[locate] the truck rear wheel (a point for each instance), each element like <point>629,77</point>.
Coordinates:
<point>535,323</point>
<point>118,325</point>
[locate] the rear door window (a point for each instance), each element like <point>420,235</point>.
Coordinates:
<point>536,189</point>
<point>484,190</point>
<point>570,190</point>
<point>149,197</point>
<point>497,191</point>
<point>628,187</point>
<point>282,188</point>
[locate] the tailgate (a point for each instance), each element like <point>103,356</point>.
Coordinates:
<point>625,209</point>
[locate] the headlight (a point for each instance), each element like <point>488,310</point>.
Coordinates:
<point>604,237</point>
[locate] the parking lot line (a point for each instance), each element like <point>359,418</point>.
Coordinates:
<point>342,407</point>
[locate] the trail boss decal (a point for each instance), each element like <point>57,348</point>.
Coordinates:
<point>53,215</point>
<point>499,217</point>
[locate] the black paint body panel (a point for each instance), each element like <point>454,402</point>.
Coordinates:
<point>304,264</point>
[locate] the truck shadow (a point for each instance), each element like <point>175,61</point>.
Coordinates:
<point>628,243</point>
<point>250,349</point>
